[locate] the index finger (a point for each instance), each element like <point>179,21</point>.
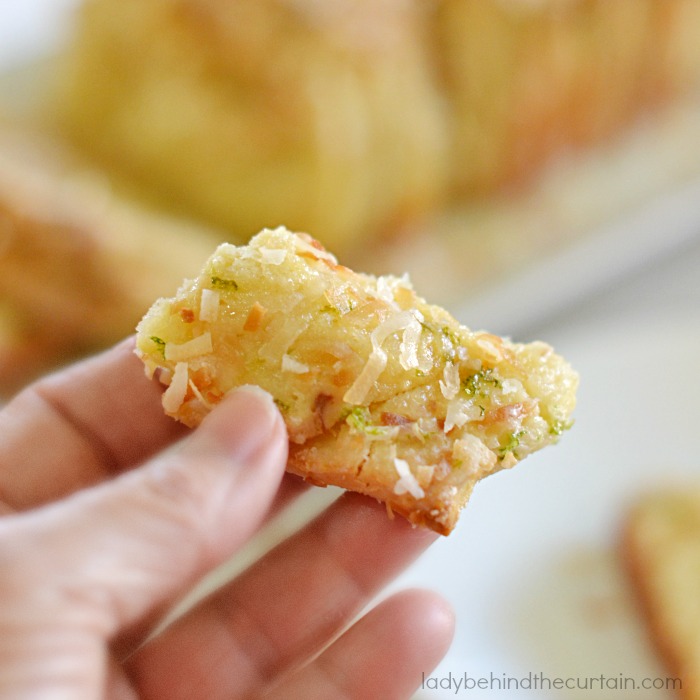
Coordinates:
<point>79,426</point>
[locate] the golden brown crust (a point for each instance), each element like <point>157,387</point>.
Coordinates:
<point>438,510</point>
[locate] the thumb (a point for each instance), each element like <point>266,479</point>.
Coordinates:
<point>131,544</point>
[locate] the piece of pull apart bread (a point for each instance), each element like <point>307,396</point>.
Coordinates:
<point>661,551</point>
<point>381,392</point>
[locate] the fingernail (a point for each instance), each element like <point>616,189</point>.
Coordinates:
<point>244,420</point>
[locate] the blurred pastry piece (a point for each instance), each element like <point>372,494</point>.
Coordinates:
<point>349,118</point>
<point>322,116</point>
<point>528,79</point>
<point>78,268</point>
<point>662,554</point>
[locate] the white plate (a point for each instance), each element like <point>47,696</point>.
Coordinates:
<point>532,568</point>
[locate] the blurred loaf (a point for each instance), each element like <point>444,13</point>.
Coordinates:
<point>322,116</point>
<point>527,79</point>
<point>358,118</point>
<point>78,265</point>
<point>662,554</point>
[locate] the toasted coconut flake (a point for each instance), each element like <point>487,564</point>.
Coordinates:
<point>408,356</point>
<point>392,290</point>
<point>265,255</point>
<point>174,395</point>
<point>273,256</point>
<point>289,364</point>
<point>491,345</point>
<point>407,483</point>
<point>339,299</point>
<point>385,291</point>
<point>303,247</point>
<point>374,366</point>
<point>282,338</point>
<point>377,360</point>
<point>450,386</point>
<point>187,315</point>
<point>255,316</point>
<point>392,325</point>
<point>209,305</point>
<point>163,375</point>
<point>201,345</point>
<point>198,394</point>
<point>459,411</point>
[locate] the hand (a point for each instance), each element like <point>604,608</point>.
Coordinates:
<point>103,529</point>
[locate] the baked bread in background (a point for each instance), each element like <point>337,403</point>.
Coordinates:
<point>323,116</point>
<point>527,80</point>
<point>78,265</point>
<point>355,119</point>
<point>661,551</point>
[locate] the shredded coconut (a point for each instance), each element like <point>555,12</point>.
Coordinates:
<point>339,299</point>
<point>201,345</point>
<point>389,288</point>
<point>174,395</point>
<point>374,366</point>
<point>385,291</point>
<point>303,246</point>
<point>282,336</point>
<point>198,394</point>
<point>378,358</point>
<point>407,483</point>
<point>408,348</point>
<point>164,375</point>
<point>263,254</point>
<point>209,305</point>
<point>289,364</point>
<point>273,256</point>
<point>459,411</point>
<point>492,350</point>
<point>450,386</point>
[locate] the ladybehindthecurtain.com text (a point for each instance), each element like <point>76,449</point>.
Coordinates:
<point>458,683</point>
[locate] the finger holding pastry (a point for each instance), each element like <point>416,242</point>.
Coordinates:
<point>105,527</point>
